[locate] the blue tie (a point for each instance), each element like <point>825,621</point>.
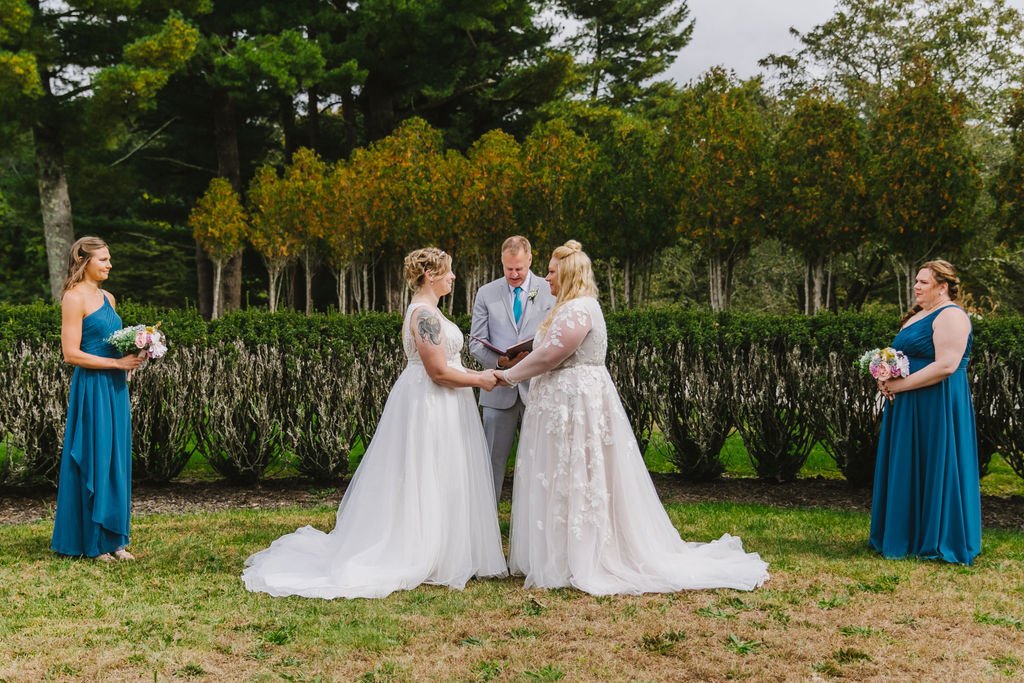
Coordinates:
<point>517,305</point>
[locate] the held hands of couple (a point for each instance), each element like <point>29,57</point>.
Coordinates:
<point>491,378</point>
<point>488,379</point>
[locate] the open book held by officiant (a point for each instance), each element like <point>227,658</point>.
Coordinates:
<point>510,352</point>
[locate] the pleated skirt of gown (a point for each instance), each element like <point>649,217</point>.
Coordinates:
<point>420,507</point>
<point>927,495</point>
<point>93,513</point>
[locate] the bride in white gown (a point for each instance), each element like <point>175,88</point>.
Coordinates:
<point>420,507</point>
<point>584,510</point>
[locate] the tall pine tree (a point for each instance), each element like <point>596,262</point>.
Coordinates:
<point>627,43</point>
<point>95,64</point>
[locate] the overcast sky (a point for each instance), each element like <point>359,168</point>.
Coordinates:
<point>737,33</point>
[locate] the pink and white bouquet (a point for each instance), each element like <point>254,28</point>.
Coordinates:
<point>885,363</point>
<point>139,339</point>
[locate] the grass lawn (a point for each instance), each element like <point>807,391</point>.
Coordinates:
<point>831,610</point>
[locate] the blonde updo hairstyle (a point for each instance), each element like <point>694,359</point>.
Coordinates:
<point>79,256</point>
<point>422,263</point>
<point>575,277</point>
<point>943,272</point>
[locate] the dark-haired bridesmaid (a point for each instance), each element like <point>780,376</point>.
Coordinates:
<point>927,495</point>
<point>94,490</point>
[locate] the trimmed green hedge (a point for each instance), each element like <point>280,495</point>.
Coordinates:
<point>848,334</point>
<point>253,388</point>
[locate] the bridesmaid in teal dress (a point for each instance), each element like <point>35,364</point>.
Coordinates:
<point>927,497</point>
<point>94,490</point>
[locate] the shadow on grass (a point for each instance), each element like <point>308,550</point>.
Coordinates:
<point>32,544</point>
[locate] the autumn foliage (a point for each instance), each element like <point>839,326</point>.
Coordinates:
<point>220,226</point>
<point>722,169</point>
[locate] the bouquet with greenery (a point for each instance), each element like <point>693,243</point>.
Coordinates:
<point>139,339</point>
<point>884,363</point>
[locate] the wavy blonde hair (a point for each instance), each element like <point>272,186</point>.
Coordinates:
<point>420,263</point>
<point>575,277</point>
<point>79,256</point>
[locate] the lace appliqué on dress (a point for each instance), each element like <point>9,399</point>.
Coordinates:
<point>565,397</point>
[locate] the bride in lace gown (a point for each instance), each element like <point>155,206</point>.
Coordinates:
<point>584,510</point>
<point>420,507</point>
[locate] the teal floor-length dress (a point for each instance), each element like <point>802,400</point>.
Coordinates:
<point>94,490</point>
<point>927,497</point>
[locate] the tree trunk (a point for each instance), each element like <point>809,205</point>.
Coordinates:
<point>828,287</point>
<point>231,285</point>
<point>225,130</point>
<point>470,286</point>
<point>372,301</point>
<point>286,109</point>
<point>366,287</point>
<point>720,271</point>
<point>730,268</point>
<point>911,275</point>
<point>899,290</point>
<point>807,288</point>
<point>229,166</point>
<point>204,283</point>
<point>818,280</point>
<point>905,275</point>
<point>870,279</point>
<point>340,276</point>
<point>715,286</point>
<point>313,95</point>
<point>309,265</point>
<point>638,290</point>
<point>627,291</point>
<point>273,285</point>
<point>649,282</point>
<point>218,267</point>
<point>296,293</point>
<point>54,204</point>
<point>357,295</point>
<point>611,288</point>
<point>814,279</point>
<point>379,107</point>
<point>388,294</point>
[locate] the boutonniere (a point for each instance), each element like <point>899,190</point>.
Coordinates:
<point>532,295</point>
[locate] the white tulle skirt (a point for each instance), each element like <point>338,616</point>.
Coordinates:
<point>420,507</point>
<point>584,510</point>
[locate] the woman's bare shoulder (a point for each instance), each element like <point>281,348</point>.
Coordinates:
<point>72,299</point>
<point>953,318</point>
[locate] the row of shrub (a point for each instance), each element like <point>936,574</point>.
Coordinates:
<point>847,333</point>
<point>254,389</point>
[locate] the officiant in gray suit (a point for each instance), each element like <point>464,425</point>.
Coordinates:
<point>506,312</point>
